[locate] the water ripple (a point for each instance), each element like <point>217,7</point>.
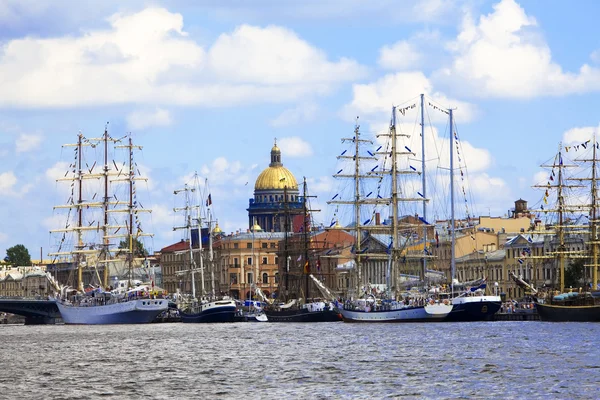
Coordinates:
<point>509,360</point>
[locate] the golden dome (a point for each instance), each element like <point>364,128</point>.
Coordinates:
<point>275,178</point>
<point>217,229</point>
<point>256,228</point>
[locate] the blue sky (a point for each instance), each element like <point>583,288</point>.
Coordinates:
<point>205,86</point>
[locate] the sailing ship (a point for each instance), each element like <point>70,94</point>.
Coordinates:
<point>471,303</point>
<point>365,302</point>
<point>579,304</point>
<point>207,308</point>
<point>93,245</point>
<point>298,309</point>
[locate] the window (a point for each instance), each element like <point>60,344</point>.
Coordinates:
<point>276,260</point>
<point>264,245</point>
<point>236,245</point>
<point>236,263</point>
<point>233,279</point>
<point>272,245</point>
<point>276,277</point>
<point>265,278</point>
<point>250,280</point>
<point>249,260</point>
<point>248,245</point>
<point>264,260</point>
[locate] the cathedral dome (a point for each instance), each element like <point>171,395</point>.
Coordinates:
<point>276,176</point>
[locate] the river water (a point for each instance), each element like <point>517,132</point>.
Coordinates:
<point>495,360</point>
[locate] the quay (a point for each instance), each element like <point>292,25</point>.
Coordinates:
<point>516,316</point>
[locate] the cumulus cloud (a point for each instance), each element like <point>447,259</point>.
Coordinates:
<point>8,185</point>
<point>147,58</point>
<point>295,147</point>
<point>292,116</point>
<point>503,55</point>
<point>400,56</point>
<point>8,180</point>
<point>139,120</point>
<point>374,101</point>
<point>28,142</point>
<point>578,135</point>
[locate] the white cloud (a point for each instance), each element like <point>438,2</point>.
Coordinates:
<point>275,56</point>
<point>147,58</point>
<point>294,147</point>
<point>578,135</point>
<point>292,116</point>
<point>28,142</point>
<point>503,55</point>
<point>399,56</point>
<point>374,101</point>
<point>8,180</point>
<point>139,120</point>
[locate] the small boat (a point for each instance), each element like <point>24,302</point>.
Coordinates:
<point>474,305</point>
<point>209,311</point>
<point>316,311</point>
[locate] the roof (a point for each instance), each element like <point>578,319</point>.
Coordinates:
<point>276,178</point>
<point>179,246</point>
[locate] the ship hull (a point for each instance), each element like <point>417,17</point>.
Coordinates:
<point>470,309</point>
<point>303,315</point>
<point>213,312</point>
<point>431,313</point>
<point>556,313</point>
<point>130,312</point>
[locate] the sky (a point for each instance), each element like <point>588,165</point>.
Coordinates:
<point>207,86</point>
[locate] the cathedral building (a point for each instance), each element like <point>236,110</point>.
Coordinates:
<point>276,197</point>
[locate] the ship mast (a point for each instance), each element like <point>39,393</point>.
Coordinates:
<point>452,222</point>
<point>424,186</point>
<point>306,231</point>
<point>188,227</point>
<point>105,239</point>
<point>286,228</point>
<point>79,213</point>
<point>594,219</point>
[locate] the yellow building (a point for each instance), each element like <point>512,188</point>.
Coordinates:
<point>249,259</point>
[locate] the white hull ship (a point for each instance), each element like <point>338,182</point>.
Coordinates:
<point>396,312</point>
<point>141,311</point>
<point>388,306</point>
<point>93,235</point>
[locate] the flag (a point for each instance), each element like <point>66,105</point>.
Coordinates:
<point>299,257</point>
<point>208,201</point>
<point>437,240</point>
<point>318,264</point>
<point>306,267</point>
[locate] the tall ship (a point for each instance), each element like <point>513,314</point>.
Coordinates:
<point>304,306</point>
<point>203,306</point>
<point>570,208</point>
<point>469,300</point>
<point>103,210</point>
<point>376,188</point>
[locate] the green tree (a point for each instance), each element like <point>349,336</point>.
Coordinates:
<point>138,247</point>
<point>18,255</point>
<point>574,273</point>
